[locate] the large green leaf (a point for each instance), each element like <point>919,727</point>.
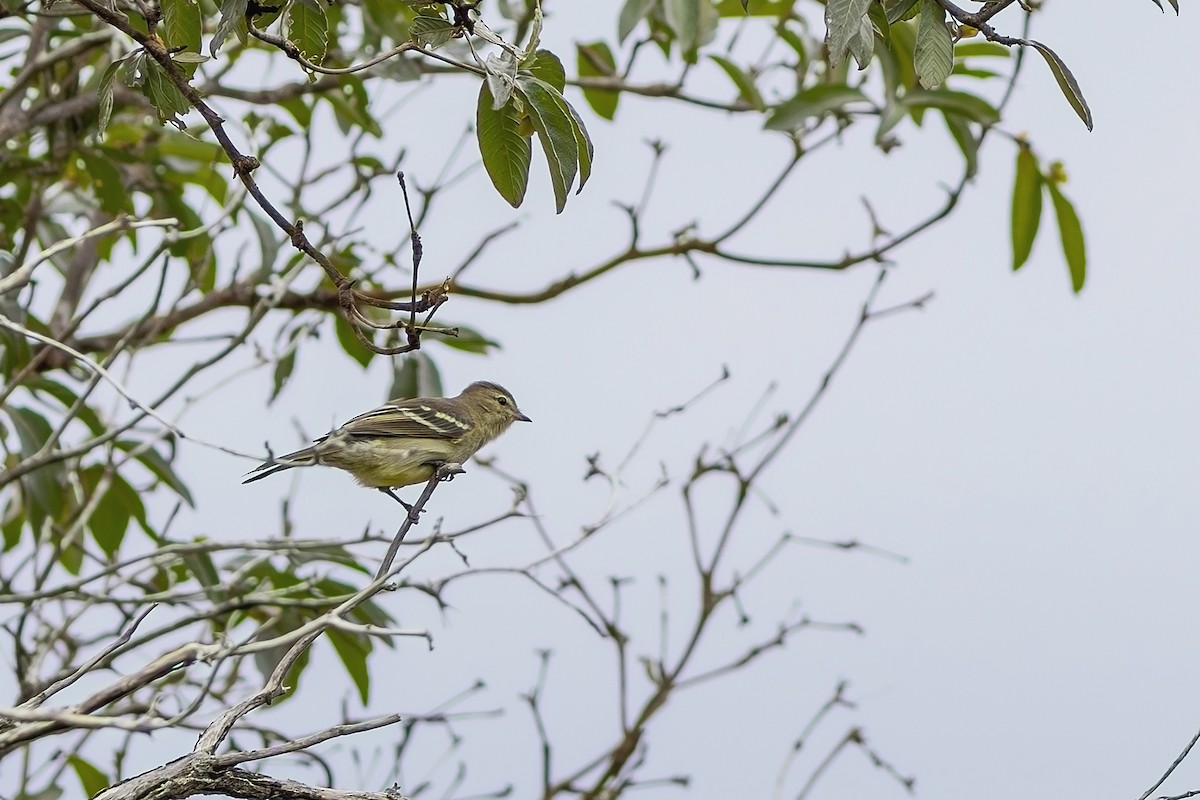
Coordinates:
<point>632,12</point>
<point>232,20</point>
<point>506,153</point>
<point>162,93</point>
<point>118,505</point>
<point>554,125</point>
<point>595,60</point>
<point>68,398</point>
<point>747,91</point>
<point>415,375</point>
<point>351,107</point>
<point>182,28</point>
<point>1066,82</point>
<point>964,137</point>
<point>684,18</point>
<point>431,31</point>
<point>900,10</point>
<point>545,65</point>
<point>350,343</point>
<point>843,18</point>
<point>159,466</point>
<point>818,101</point>
<point>1070,231</point>
<point>307,27</point>
<point>104,93</point>
<point>1026,205</point>
<point>92,779</point>
<point>43,486</point>
<point>352,650</point>
<point>968,105</point>
<point>933,57</point>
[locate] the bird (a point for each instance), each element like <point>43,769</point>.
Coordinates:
<point>408,441</point>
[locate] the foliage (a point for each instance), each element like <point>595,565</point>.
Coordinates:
<point>123,233</point>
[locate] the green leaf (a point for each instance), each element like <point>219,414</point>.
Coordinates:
<point>553,122</point>
<point>693,23</point>
<point>307,27</point>
<point>160,467</point>
<point>199,566</point>
<point>583,143</point>
<point>862,43</point>
<point>161,92</point>
<point>818,101</point>
<point>51,792</point>
<point>633,12</point>
<point>968,105</point>
<point>67,398</point>
<point>350,343</point>
<point>93,780</point>
<point>965,138</point>
<point>14,351</point>
<point>969,49</point>
<point>267,660</point>
<point>71,558</point>
<point>505,151</point>
<point>283,370</point>
<point>353,650</point>
<point>747,90</point>
<point>44,486</point>
<point>14,522</point>
<point>900,10</point>
<point>1070,231</point>
<point>268,242</point>
<point>595,60</point>
<point>843,18</point>
<point>545,65</point>
<point>431,32</point>
<point>878,16</point>
<point>904,43</point>
<point>350,107</point>
<point>110,518</point>
<point>381,16</point>
<point>233,20</point>
<point>1066,82</point>
<point>500,72</point>
<point>182,26</point>
<point>414,375</point>
<point>933,57</point>
<point>105,94</point>
<point>107,184</point>
<point>1026,205</point>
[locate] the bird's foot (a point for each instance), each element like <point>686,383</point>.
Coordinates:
<point>414,514</point>
<point>447,471</point>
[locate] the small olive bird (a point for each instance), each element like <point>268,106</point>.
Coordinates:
<point>409,441</point>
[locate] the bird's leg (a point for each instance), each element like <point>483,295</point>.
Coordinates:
<point>413,513</point>
<point>446,471</point>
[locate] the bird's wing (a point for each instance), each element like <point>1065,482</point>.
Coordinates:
<point>429,418</point>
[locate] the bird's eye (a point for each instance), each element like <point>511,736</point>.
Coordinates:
<point>502,400</point>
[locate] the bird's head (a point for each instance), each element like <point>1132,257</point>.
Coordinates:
<point>494,402</point>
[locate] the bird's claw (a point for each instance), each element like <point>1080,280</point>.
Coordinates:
<point>447,471</point>
<point>414,514</point>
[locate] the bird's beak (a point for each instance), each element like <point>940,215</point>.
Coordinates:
<point>522,418</point>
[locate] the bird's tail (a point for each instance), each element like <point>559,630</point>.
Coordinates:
<point>301,458</point>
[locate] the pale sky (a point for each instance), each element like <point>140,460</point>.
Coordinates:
<point>1032,453</point>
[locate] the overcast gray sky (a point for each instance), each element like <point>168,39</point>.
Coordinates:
<point>1033,453</point>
